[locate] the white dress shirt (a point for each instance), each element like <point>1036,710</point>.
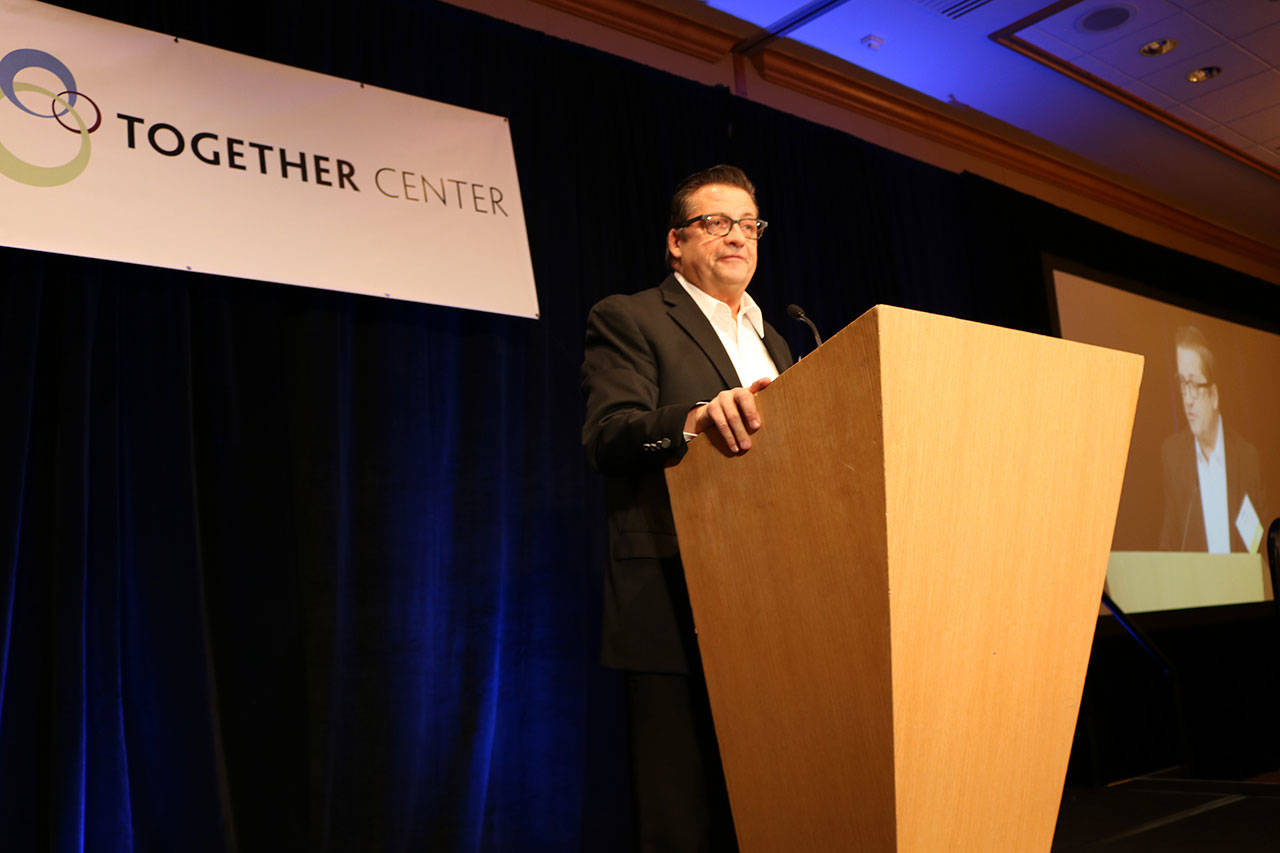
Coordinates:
<point>1212,468</point>
<point>743,336</point>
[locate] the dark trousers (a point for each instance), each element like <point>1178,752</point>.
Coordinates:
<point>677,784</point>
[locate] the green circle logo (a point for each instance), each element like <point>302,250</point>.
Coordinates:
<point>60,104</point>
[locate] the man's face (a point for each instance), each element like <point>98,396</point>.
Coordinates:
<point>718,265</point>
<point>1200,403</point>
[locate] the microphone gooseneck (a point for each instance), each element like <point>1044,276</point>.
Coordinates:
<point>795,312</point>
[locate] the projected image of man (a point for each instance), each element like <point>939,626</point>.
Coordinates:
<point>1211,480</point>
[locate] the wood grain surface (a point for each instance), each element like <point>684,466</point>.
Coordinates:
<point>895,589</point>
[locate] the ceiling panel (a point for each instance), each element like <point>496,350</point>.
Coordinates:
<point>1234,104</point>
<point>1192,36</point>
<point>1231,137</point>
<point>1266,154</point>
<point>1264,43</point>
<point>1262,126</point>
<point>1051,43</point>
<point>1192,117</point>
<point>1240,99</point>
<point>1109,73</point>
<point>1235,63</point>
<point>1069,25</point>
<point>1236,18</point>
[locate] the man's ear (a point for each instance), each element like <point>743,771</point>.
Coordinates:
<point>673,243</point>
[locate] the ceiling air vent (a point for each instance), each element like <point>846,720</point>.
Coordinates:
<point>1105,18</point>
<point>953,8</point>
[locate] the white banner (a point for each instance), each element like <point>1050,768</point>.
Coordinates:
<point>129,145</point>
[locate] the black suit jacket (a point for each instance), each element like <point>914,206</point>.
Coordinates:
<point>1183,527</point>
<point>650,357</point>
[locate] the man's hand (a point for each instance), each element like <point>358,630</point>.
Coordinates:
<point>731,414</point>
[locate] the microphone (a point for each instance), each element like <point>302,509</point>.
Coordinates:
<point>795,312</point>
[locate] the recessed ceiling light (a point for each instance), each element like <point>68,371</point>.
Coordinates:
<point>1202,74</point>
<point>1159,47</point>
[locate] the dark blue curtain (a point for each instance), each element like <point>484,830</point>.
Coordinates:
<point>284,569</point>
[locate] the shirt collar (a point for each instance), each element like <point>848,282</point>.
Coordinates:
<point>710,305</point>
<point>1217,454</point>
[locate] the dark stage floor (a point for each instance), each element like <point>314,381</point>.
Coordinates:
<point>1158,813</point>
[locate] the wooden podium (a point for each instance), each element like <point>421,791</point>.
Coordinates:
<point>895,590</point>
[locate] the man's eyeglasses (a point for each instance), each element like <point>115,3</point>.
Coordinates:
<point>1191,387</point>
<point>718,225</point>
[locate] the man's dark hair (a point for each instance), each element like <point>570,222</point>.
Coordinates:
<point>1189,337</point>
<point>722,174</point>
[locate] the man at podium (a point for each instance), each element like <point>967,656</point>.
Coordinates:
<point>1213,497</point>
<point>661,366</point>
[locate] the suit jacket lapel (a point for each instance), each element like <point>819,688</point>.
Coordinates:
<point>777,348</point>
<point>1196,537</point>
<point>1235,489</point>
<point>689,317</point>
